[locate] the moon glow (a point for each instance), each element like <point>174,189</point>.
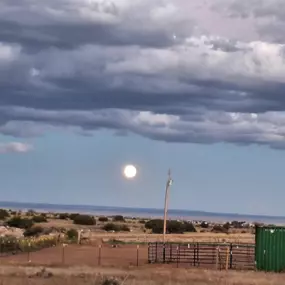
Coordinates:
<point>130,171</point>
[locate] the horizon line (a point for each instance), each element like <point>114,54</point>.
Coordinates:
<point>138,208</point>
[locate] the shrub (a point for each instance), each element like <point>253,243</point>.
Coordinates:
<point>47,231</point>
<point>156,226</point>
<point>142,221</point>
<point>226,226</point>
<point>33,231</point>
<point>18,222</point>
<point>4,214</point>
<point>84,220</point>
<point>39,219</point>
<point>118,218</point>
<point>204,225</point>
<point>153,223</point>
<point>72,234</point>
<point>189,227</point>
<point>73,216</point>
<point>31,212</point>
<point>63,216</point>
<point>111,227</point>
<point>237,225</point>
<point>124,228</point>
<point>219,229</point>
<point>173,227</point>
<point>103,219</point>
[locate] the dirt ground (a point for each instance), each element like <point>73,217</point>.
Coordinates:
<point>122,256</point>
<point>133,276</point>
<point>126,256</point>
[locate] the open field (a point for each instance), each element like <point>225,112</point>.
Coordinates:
<point>137,234</point>
<point>147,275</point>
<point>187,237</point>
<point>124,255</point>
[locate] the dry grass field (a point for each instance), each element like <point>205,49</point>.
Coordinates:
<point>96,262</point>
<point>147,275</point>
<point>137,234</point>
<point>187,237</point>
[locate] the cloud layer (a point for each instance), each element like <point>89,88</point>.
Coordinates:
<point>15,147</point>
<point>165,69</point>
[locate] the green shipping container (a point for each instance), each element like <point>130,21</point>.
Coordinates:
<point>270,248</point>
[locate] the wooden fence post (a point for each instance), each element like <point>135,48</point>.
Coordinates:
<point>231,256</point>
<point>29,252</point>
<point>138,255</point>
<point>156,252</point>
<point>197,255</point>
<point>177,256</point>
<point>79,236</point>
<point>99,254</point>
<point>217,258</point>
<point>194,256</point>
<point>227,258</point>
<point>63,253</point>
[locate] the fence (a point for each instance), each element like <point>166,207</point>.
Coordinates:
<point>204,255</point>
<point>122,255</point>
<point>207,255</point>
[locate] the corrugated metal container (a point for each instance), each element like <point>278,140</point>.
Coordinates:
<point>270,248</point>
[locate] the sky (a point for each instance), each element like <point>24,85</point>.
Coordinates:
<point>88,86</point>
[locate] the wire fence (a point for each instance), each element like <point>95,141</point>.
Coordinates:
<point>207,255</point>
<point>74,254</point>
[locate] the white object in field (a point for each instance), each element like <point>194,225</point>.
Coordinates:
<point>79,236</point>
<point>130,171</point>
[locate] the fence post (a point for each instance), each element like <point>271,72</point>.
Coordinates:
<point>170,257</point>
<point>217,258</point>
<point>29,252</point>
<point>79,236</point>
<point>177,256</point>
<point>138,255</point>
<point>63,253</point>
<point>99,254</point>
<point>156,252</point>
<point>231,256</point>
<point>164,252</point>
<point>227,258</point>
<point>198,257</point>
<point>194,256</point>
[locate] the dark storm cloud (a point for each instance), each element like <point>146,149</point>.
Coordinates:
<point>139,67</point>
<point>269,16</point>
<point>67,24</point>
<point>34,38</point>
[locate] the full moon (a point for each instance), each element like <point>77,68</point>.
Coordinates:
<point>130,171</point>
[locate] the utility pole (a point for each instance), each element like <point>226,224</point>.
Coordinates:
<point>168,184</point>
